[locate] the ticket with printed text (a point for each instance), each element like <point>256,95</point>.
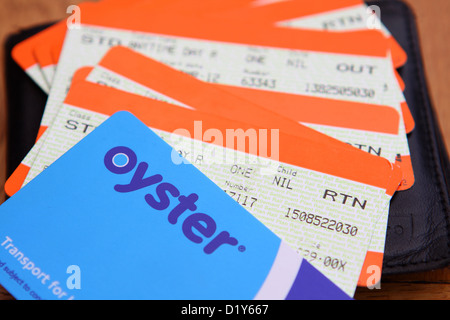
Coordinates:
<point>258,183</point>
<point>152,79</point>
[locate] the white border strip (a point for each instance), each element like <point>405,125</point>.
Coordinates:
<point>282,274</point>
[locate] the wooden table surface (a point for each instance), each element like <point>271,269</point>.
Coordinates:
<point>434,27</point>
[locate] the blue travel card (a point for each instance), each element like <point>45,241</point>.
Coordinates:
<point>116,218</point>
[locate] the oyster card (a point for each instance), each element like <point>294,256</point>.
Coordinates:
<point>139,226</point>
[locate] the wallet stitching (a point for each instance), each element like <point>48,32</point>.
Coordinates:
<point>430,146</point>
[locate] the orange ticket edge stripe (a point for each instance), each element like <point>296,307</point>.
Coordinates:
<point>189,90</point>
<point>408,179</point>
<point>400,81</point>
<point>319,156</point>
<point>367,42</point>
<point>15,181</point>
<point>399,56</point>
<point>373,259</point>
<point>43,56</point>
<point>352,115</point>
<point>288,10</point>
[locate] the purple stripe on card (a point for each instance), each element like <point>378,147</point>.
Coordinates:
<point>310,284</point>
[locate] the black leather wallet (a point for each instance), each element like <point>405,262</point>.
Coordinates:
<point>418,235</point>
